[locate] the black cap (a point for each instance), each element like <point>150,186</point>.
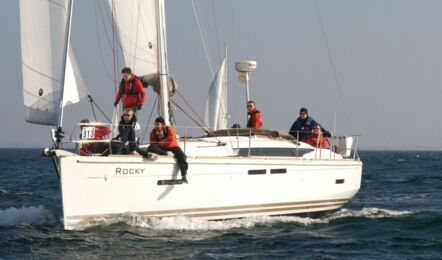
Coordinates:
<point>303,109</point>
<point>160,120</point>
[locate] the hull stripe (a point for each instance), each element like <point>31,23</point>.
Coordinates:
<point>241,209</point>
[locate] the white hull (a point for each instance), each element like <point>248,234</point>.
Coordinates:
<point>219,187</point>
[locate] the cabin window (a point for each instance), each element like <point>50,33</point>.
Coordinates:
<point>273,151</point>
<point>278,171</point>
<point>253,172</point>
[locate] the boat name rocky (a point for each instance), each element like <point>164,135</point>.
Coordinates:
<point>121,171</point>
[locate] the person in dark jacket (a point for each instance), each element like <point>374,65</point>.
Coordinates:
<point>162,140</point>
<point>302,127</point>
<point>255,120</point>
<point>131,91</point>
<point>128,133</point>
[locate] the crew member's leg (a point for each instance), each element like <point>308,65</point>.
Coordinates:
<point>181,159</point>
<point>156,149</point>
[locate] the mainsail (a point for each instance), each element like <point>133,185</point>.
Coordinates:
<point>215,115</point>
<point>43,26</point>
<point>136,25</point>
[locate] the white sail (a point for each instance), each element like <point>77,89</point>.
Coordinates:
<point>74,87</point>
<point>43,25</point>
<point>136,24</point>
<point>215,115</point>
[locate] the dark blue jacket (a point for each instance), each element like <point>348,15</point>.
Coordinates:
<point>128,133</point>
<point>303,127</point>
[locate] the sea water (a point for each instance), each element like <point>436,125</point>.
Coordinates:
<point>397,214</point>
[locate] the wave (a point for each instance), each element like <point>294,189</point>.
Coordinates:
<point>26,215</point>
<point>181,222</point>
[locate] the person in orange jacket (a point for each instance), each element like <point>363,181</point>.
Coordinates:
<point>93,132</point>
<point>162,140</point>
<point>316,138</point>
<point>255,120</point>
<point>130,91</point>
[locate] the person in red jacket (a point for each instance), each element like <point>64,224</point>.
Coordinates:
<point>131,91</point>
<point>93,132</point>
<point>163,139</point>
<point>255,120</point>
<point>316,139</point>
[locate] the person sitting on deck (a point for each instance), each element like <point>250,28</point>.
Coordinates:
<point>90,135</point>
<point>163,139</point>
<point>128,133</point>
<point>302,127</point>
<point>255,120</point>
<point>316,138</point>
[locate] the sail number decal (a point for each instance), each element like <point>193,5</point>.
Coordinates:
<point>88,132</point>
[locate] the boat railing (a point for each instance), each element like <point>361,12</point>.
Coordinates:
<point>346,145</point>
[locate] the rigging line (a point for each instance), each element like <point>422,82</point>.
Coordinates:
<point>191,108</point>
<point>92,107</point>
<point>113,46</point>
<point>107,34</point>
<point>101,111</point>
<point>202,39</point>
<point>150,117</point>
<point>205,129</point>
<point>216,29</point>
<point>330,58</point>
<point>204,30</point>
<point>99,43</point>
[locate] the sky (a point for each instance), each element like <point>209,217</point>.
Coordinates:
<point>374,65</point>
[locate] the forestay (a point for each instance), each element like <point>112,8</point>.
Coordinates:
<point>215,115</point>
<point>136,25</point>
<point>43,26</point>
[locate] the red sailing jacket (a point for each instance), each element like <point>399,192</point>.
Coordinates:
<point>316,141</point>
<point>255,120</point>
<point>165,139</point>
<point>99,133</point>
<point>132,93</point>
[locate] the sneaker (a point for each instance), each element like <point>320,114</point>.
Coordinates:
<point>152,156</point>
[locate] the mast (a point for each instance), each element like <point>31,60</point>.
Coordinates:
<point>163,69</point>
<point>59,133</point>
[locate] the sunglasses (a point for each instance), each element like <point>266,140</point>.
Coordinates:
<point>127,114</point>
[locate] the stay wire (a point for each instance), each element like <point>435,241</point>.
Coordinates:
<point>150,117</point>
<point>202,39</point>
<point>330,58</point>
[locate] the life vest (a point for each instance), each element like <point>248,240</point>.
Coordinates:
<point>157,137</point>
<point>131,87</point>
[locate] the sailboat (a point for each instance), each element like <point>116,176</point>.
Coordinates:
<point>232,172</point>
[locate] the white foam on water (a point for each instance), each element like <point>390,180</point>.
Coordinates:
<point>26,215</point>
<point>181,222</point>
<point>3,191</point>
<point>187,223</point>
<point>370,213</point>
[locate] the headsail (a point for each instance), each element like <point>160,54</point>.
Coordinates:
<point>136,24</point>
<point>215,115</point>
<point>43,25</point>
<point>74,87</point>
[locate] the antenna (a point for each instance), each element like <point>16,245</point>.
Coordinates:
<point>244,68</point>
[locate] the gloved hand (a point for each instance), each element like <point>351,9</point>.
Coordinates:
<point>139,106</point>
<point>116,103</point>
